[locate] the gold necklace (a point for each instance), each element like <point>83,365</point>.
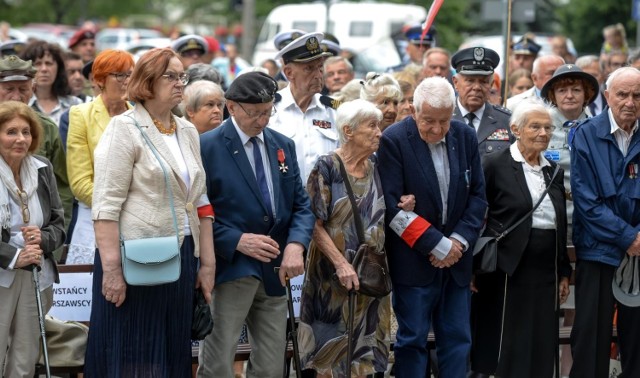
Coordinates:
<point>162,129</point>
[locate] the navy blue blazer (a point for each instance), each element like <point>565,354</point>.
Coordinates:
<point>239,208</point>
<point>406,167</point>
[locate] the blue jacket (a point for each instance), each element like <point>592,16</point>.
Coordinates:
<point>239,208</point>
<point>606,192</point>
<point>405,167</point>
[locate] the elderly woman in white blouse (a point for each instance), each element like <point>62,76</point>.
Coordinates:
<point>515,308</point>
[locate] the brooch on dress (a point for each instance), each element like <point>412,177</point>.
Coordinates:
<point>283,168</point>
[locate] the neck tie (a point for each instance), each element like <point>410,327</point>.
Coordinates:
<point>470,117</point>
<point>592,109</point>
<point>260,176</point>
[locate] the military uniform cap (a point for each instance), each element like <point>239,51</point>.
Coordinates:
<point>13,68</point>
<point>11,47</point>
<point>303,49</point>
<point>252,88</point>
<point>475,61</point>
<point>331,44</point>
<point>190,42</point>
<point>80,36</point>
<point>414,34</point>
<point>286,37</point>
<point>526,46</point>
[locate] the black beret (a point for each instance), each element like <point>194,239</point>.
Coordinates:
<point>475,61</point>
<point>252,88</point>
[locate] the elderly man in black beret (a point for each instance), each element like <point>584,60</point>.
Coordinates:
<point>263,221</point>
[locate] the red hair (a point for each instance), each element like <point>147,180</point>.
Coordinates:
<point>110,61</point>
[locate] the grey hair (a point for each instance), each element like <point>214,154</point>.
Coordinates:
<point>634,55</point>
<point>520,115</point>
<point>436,92</point>
<point>349,92</point>
<point>536,63</point>
<point>194,94</point>
<point>202,71</point>
<point>587,60</point>
<point>354,113</point>
<point>376,84</point>
<point>619,72</point>
<point>336,59</point>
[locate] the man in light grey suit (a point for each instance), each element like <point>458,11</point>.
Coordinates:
<point>472,81</point>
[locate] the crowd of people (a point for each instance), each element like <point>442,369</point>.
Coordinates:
<point>257,171</point>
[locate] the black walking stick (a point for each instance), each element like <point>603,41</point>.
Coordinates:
<point>36,283</point>
<point>293,333</point>
<point>352,303</point>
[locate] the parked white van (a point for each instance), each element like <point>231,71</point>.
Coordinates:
<point>359,26</point>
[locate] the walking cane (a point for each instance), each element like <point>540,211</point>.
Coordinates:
<point>36,283</point>
<point>293,333</point>
<point>352,300</point>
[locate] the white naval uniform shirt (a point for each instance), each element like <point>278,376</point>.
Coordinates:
<point>313,132</point>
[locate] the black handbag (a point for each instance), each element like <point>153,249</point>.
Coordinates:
<point>370,265</point>
<point>487,246</point>
<point>202,321</point>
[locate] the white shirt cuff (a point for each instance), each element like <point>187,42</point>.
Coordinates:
<point>15,259</point>
<point>462,240</point>
<point>442,249</point>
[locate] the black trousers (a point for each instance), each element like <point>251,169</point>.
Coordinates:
<point>591,333</point>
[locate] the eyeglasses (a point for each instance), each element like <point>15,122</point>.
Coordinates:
<point>120,76</point>
<point>537,128</point>
<point>24,205</point>
<point>173,77</point>
<point>266,113</point>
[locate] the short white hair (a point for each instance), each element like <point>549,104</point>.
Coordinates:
<point>619,72</point>
<point>520,115</point>
<point>435,91</point>
<point>353,113</point>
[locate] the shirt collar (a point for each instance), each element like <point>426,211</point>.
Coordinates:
<point>615,127</point>
<point>517,156</point>
<point>464,112</point>
<point>244,138</point>
<point>287,99</point>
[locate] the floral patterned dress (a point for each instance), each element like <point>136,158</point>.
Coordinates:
<point>322,332</point>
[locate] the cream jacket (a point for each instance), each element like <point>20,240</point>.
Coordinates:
<point>129,185</point>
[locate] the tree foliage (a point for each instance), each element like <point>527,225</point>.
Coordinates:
<point>583,20</point>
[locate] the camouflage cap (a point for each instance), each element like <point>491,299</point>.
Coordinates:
<point>13,68</point>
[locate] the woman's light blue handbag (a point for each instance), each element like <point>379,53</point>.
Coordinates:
<point>152,261</point>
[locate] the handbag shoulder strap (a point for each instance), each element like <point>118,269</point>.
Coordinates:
<point>354,206</point>
<point>546,190</point>
<point>164,171</point>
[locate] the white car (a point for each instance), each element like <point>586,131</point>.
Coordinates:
<point>120,38</point>
<point>138,48</point>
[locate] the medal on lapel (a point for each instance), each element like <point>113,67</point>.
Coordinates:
<point>283,168</point>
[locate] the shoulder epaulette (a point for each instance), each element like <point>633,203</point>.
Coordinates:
<point>502,109</point>
<point>330,102</point>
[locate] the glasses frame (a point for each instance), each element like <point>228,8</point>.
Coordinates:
<point>259,115</point>
<point>24,206</point>
<point>172,77</point>
<point>121,77</point>
<point>547,129</point>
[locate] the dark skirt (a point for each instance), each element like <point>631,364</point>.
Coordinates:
<point>528,344</point>
<point>149,334</point>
